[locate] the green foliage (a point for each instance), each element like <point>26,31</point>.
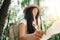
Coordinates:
<point>13,15</point>
<point>25,2</point>
<point>55,37</point>
<point>36,2</point>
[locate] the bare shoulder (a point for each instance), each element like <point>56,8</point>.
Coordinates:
<point>22,29</point>
<point>23,22</point>
<point>22,25</point>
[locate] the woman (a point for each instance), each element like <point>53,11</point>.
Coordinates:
<point>30,23</point>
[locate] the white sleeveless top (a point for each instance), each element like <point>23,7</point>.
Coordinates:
<point>25,22</point>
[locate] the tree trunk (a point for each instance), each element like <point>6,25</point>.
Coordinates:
<point>3,14</point>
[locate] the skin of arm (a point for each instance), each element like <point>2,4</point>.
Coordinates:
<point>23,33</point>
<point>24,36</point>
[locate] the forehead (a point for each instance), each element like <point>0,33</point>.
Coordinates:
<point>36,8</point>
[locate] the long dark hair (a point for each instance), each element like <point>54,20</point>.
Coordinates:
<point>29,18</point>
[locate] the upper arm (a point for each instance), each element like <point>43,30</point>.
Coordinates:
<point>22,29</point>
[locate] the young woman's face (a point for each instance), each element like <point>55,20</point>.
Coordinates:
<point>35,10</point>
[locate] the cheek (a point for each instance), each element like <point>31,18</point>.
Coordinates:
<point>35,12</point>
